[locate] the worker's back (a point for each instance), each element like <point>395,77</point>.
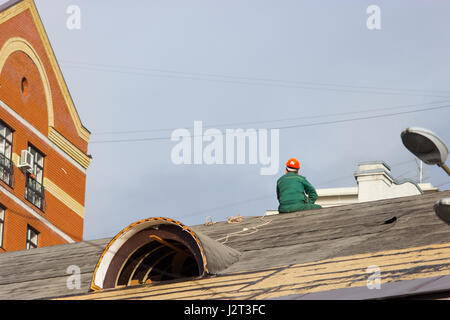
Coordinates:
<point>291,189</point>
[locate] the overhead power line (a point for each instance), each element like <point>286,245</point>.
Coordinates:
<point>362,118</point>
<point>154,72</point>
<point>443,184</point>
<point>276,120</point>
<point>304,125</point>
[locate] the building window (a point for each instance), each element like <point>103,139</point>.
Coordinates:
<point>2,224</point>
<point>6,165</point>
<point>34,190</point>
<point>32,238</point>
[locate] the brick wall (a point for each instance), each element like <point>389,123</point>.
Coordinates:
<point>29,101</point>
<point>22,26</point>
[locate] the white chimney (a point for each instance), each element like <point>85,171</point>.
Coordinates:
<point>375,183</point>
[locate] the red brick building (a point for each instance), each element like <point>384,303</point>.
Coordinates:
<point>43,144</point>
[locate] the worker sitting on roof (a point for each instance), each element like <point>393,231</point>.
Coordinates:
<point>292,189</point>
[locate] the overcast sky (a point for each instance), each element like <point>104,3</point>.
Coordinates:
<point>150,65</point>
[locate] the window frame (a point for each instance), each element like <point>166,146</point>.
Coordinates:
<point>6,164</point>
<point>34,188</point>
<point>29,244</point>
<point>36,165</point>
<point>2,224</point>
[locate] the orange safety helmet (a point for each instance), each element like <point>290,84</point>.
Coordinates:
<point>293,163</point>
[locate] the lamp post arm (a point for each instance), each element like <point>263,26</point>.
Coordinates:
<point>446,169</point>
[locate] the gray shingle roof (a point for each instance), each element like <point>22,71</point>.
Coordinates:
<point>266,243</point>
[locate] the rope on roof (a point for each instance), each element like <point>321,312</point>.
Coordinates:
<point>239,233</point>
<point>209,221</point>
<point>237,219</point>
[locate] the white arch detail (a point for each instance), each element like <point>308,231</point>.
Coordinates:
<point>16,44</point>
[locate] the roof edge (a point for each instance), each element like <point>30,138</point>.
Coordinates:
<point>9,4</point>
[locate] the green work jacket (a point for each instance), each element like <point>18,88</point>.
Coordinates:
<point>292,189</point>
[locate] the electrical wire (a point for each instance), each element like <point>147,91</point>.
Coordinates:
<point>361,118</point>
<point>443,184</point>
<point>144,71</point>
<point>289,126</point>
<point>276,120</point>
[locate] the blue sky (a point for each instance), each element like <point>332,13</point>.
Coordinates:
<point>150,65</point>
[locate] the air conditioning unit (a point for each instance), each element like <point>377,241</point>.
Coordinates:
<point>26,160</point>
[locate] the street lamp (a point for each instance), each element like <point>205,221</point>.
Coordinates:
<point>429,148</point>
<point>426,146</point>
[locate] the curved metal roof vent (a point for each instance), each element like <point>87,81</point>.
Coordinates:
<point>159,249</point>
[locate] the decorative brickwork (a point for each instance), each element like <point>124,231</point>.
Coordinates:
<point>35,103</point>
